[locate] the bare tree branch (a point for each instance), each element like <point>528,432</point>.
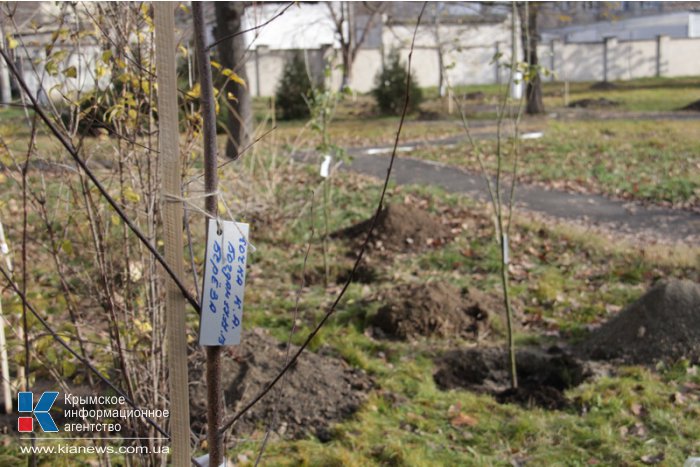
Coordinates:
<point>360,254</point>
<point>74,154</point>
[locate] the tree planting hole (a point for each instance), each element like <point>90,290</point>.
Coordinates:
<point>543,376</point>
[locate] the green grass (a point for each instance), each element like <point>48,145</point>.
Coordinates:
<point>647,160</point>
<point>653,161</point>
<point>601,429</point>
<point>562,278</point>
<point>639,95</point>
<point>570,281</point>
<point>582,278</point>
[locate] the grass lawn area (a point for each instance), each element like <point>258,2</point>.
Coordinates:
<point>642,95</point>
<point>562,280</point>
<point>366,132</point>
<point>654,161</point>
<point>657,161</point>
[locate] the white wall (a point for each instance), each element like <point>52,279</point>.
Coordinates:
<point>632,59</point>
<point>681,57</point>
<point>468,52</point>
<point>625,59</point>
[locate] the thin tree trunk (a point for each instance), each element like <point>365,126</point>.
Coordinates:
<point>215,403</point>
<point>231,51</point>
<point>530,37</point>
<point>347,68</point>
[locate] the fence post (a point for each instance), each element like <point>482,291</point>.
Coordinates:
<point>169,148</point>
<point>553,48</point>
<point>497,63</point>
<point>609,43</point>
<point>661,47</point>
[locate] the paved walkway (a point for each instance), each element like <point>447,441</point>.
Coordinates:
<point>626,217</point>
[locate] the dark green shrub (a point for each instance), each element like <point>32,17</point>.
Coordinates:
<point>293,90</point>
<point>390,90</point>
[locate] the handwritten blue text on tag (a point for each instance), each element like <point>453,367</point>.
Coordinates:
<point>224,284</point>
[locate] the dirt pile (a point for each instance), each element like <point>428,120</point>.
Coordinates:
<point>693,106</point>
<point>339,273</point>
<point>316,392</point>
<point>400,228</point>
<point>664,324</point>
<point>434,310</point>
<point>599,103</point>
<point>603,86</point>
<point>542,376</point>
<point>475,96</point>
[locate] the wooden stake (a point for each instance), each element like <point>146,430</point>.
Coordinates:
<point>215,407</point>
<point>4,365</point>
<point>450,109</point>
<point>169,147</point>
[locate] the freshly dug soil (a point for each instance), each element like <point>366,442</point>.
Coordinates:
<point>428,115</point>
<point>603,86</point>
<point>599,103</point>
<point>664,324</point>
<point>434,310</point>
<point>339,272</point>
<point>316,392</point>
<point>474,96</point>
<point>400,228</point>
<point>694,106</point>
<point>542,376</point>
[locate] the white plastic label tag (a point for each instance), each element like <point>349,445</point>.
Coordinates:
<point>224,284</point>
<point>326,166</point>
<point>506,250</point>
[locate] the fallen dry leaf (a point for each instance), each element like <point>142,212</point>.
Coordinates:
<point>636,409</point>
<point>463,419</point>
<point>454,410</point>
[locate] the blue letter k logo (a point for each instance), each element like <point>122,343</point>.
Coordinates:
<point>25,403</point>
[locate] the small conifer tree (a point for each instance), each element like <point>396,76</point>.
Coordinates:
<point>293,90</point>
<point>390,90</point>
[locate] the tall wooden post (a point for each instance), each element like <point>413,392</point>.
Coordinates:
<point>169,147</point>
<point>213,369</point>
<point>4,365</point>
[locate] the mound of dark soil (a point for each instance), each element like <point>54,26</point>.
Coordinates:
<point>693,106</point>
<point>542,376</point>
<point>603,86</point>
<point>316,392</point>
<point>400,227</point>
<point>339,273</point>
<point>433,310</point>
<point>599,103</point>
<point>429,115</point>
<point>475,96</point>
<point>664,324</point>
